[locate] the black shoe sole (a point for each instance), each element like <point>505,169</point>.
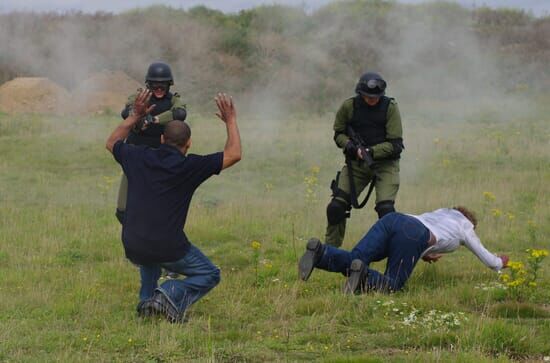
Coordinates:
<point>161,305</point>
<point>145,310</point>
<point>356,277</point>
<point>308,260</point>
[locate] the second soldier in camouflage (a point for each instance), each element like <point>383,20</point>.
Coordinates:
<point>376,120</point>
<point>168,107</point>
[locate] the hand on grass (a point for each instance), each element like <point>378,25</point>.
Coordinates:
<point>505,260</point>
<point>434,257</point>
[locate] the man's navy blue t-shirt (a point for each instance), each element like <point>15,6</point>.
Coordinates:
<point>161,183</point>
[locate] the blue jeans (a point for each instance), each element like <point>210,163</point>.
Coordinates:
<point>398,237</point>
<point>201,277</point>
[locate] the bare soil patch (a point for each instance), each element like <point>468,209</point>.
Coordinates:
<point>33,95</point>
<point>102,92</point>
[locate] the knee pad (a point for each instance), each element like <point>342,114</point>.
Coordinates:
<point>384,207</point>
<point>337,211</point>
<point>120,215</point>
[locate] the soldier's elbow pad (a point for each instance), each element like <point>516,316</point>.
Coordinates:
<point>125,112</point>
<point>397,146</point>
<point>179,114</point>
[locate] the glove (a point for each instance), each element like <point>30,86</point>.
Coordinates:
<point>350,150</point>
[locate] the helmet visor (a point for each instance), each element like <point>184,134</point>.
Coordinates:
<point>371,87</point>
<point>376,85</point>
<point>160,86</point>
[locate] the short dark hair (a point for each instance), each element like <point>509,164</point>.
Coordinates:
<point>177,133</point>
<point>468,214</point>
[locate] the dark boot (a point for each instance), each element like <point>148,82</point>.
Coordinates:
<point>314,251</point>
<point>161,304</point>
<point>357,278</point>
<point>144,308</point>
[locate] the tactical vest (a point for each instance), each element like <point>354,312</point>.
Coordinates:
<point>370,121</point>
<point>151,135</point>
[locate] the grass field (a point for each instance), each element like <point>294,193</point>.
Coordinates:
<point>69,295</point>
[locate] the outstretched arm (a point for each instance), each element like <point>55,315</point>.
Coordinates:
<point>227,113</point>
<point>472,242</point>
<point>140,108</point>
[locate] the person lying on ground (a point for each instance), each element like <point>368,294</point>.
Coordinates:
<point>402,239</point>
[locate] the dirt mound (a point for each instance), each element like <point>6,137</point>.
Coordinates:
<point>104,91</point>
<point>32,94</point>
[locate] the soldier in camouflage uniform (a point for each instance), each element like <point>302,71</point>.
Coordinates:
<point>168,107</point>
<point>375,118</point>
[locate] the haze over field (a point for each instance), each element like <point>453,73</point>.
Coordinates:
<point>538,7</point>
<point>279,60</point>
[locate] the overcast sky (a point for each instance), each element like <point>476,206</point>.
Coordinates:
<point>538,7</point>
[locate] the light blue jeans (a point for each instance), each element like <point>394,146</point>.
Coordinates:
<point>201,277</point>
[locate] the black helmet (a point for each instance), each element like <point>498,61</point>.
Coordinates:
<point>371,84</point>
<point>159,72</point>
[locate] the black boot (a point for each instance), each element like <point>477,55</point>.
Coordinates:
<point>357,278</point>
<point>314,251</point>
<point>160,306</point>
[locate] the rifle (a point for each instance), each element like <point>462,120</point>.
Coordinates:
<point>367,158</point>
<point>360,144</point>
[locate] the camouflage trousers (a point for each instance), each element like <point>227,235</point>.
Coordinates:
<point>386,186</point>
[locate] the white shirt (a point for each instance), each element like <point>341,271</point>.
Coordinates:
<point>452,229</point>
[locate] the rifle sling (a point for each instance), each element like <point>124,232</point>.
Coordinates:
<point>353,192</point>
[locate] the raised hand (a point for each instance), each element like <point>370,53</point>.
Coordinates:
<point>227,112</point>
<point>141,104</point>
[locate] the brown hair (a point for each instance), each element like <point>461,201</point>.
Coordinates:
<point>468,214</point>
<point>176,133</point>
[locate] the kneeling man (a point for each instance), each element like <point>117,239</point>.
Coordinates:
<point>402,239</point>
<point>161,183</point>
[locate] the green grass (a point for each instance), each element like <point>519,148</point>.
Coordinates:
<point>68,293</point>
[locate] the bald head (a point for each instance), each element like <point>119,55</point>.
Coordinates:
<point>177,133</point>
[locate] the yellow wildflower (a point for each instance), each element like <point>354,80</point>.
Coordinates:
<point>515,265</point>
<point>255,245</point>
<point>532,284</point>
<point>538,253</point>
<point>489,196</point>
<point>510,216</point>
<point>496,212</point>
